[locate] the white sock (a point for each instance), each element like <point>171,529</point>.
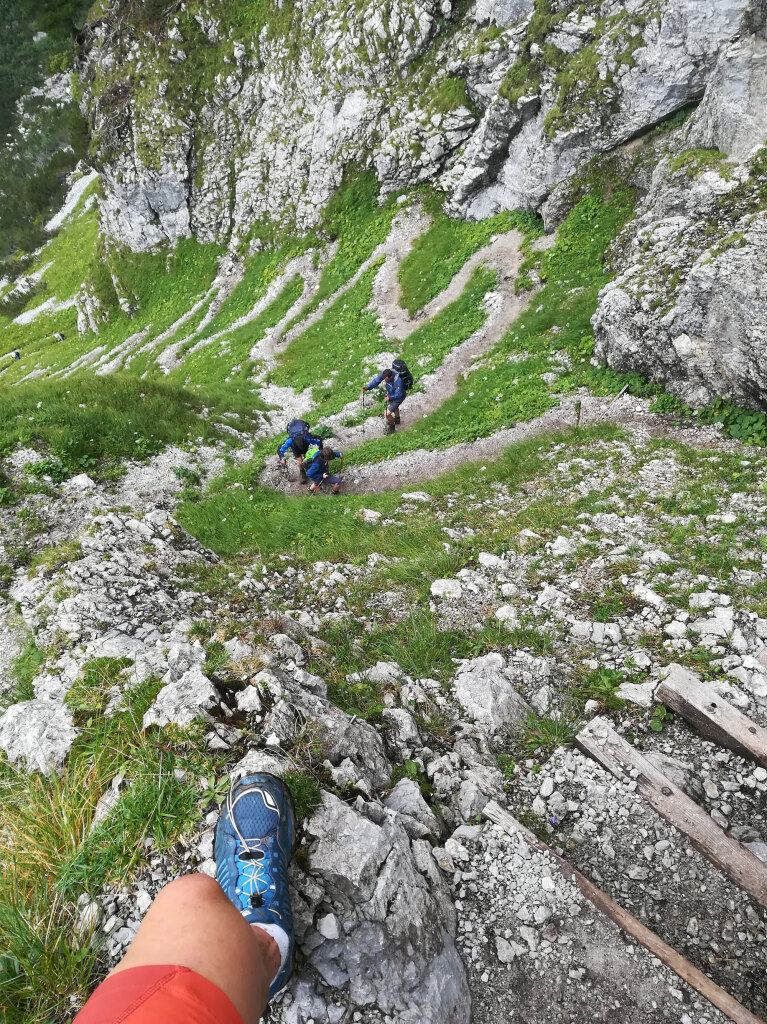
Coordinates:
<point>280,936</point>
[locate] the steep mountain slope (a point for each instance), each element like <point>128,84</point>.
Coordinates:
<point>276,201</point>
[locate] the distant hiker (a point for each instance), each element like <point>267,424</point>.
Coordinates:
<point>398,381</point>
<point>299,441</point>
<point>318,469</point>
<point>16,354</point>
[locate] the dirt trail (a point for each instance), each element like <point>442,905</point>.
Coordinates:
<point>406,226</point>
<point>420,465</point>
<point>503,306</point>
<point>501,254</point>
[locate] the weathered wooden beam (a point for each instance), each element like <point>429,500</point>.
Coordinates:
<point>629,924</point>
<point>711,715</point>
<point>603,743</point>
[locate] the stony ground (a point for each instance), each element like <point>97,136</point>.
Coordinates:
<point>570,592</point>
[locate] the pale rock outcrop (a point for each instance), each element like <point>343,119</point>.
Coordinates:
<point>396,948</point>
<point>688,308</point>
<point>484,687</point>
<point>39,732</point>
<point>270,136</point>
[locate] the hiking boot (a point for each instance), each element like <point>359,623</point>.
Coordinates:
<point>255,838</point>
<point>396,418</point>
<point>389,428</point>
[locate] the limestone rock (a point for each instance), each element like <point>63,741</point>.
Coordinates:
<point>182,701</point>
<point>395,947</point>
<point>485,689</point>
<point>39,732</point>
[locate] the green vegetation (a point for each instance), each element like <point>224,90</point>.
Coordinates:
<point>306,794</point>
<point>89,424</point>
<point>26,667</point>
<point>507,387</point>
<point>354,219</point>
<point>746,425</point>
<point>542,735</point>
<point>50,856</point>
<point>581,83</point>
<point>602,685</point>
<point>695,161</point>
<point>449,95</point>
<point>33,165</point>
<point>90,692</point>
<point>439,253</point>
<point>228,358</point>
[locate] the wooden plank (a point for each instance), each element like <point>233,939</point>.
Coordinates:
<point>601,742</point>
<point>629,924</point>
<point>711,715</point>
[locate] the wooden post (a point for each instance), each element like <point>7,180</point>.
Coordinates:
<point>629,924</point>
<point>601,742</point>
<point>711,715</point>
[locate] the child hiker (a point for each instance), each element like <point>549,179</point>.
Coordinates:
<point>318,470</point>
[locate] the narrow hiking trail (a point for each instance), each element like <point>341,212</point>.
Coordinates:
<point>503,306</point>
<point>424,464</point>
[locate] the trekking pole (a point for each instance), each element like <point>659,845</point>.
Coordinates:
<point>363,412</point>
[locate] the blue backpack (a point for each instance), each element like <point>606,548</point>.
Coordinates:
<point>298,432</point>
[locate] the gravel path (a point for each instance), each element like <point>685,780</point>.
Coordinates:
<point>422,464</point>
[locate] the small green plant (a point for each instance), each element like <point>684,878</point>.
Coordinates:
<point>201,630</point>
<point>26,666</point>
<point>602,685</point>
<point>89,693</point>
<point>307,795</point>
<point>546,733</point>
<point>411,770</point>
<point>215,656</point>
<point>215,790</point>
<point>188,476</point>
<point>660,717</point>
<point>507,765</point>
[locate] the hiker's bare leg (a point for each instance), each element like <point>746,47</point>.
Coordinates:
<point>192,924</point>
<point>301,470</point>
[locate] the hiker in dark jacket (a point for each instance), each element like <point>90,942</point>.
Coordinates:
<point>395,392</point>
<point>299,446</point>
<point>318,470</point>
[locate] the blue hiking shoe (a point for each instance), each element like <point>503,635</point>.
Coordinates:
<point>255,838</point>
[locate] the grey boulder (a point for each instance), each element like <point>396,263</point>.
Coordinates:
<point>395,947</point>
<point>40,731</point>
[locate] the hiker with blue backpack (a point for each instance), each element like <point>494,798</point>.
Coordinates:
<point>299,442</point>
<point>397,380</point>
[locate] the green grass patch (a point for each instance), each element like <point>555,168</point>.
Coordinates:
<point>89,693</point>
<point>440,252</point>
<point>345,336</point>
<point>50,856</point>
<point>89,423</point>
<point>25,668</point>
<point>228,357</point>
<point>696,161</point>
<point>354,219</point>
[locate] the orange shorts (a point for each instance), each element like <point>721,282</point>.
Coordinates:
<point>158,995</point>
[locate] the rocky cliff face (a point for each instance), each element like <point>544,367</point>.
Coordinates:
<point>212,119</point>
<point>688,307</point>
